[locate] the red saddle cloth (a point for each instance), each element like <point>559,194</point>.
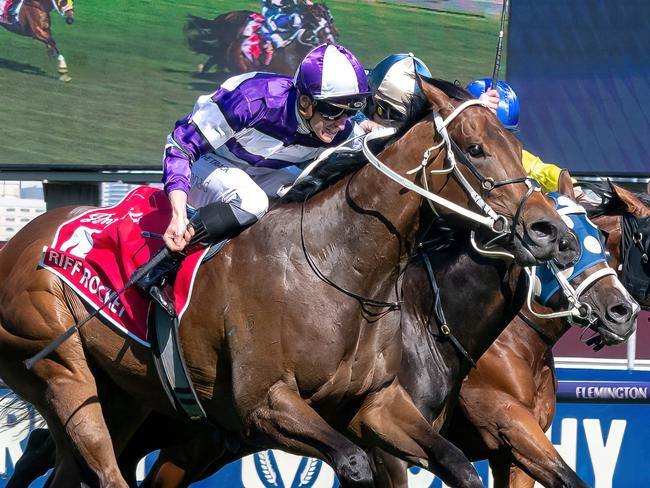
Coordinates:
<point>97,251</point>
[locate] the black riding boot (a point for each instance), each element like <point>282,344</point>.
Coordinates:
<point>213,223</point>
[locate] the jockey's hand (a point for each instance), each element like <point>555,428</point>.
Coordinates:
<point>177,235</point>
<point>491,99</point>
<point>370,125</point>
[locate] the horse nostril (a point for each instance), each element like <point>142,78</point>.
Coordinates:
<point>543,229</point>
<point>619,312</point>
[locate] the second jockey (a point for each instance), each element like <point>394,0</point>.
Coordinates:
<point>250,134</point>
<point>281,17</point>
<point>394,84</point>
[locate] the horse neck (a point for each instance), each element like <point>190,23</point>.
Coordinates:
<point>367,222</point>
<point>536,333</point>
<point>479,298</point>
<point>45,5</point>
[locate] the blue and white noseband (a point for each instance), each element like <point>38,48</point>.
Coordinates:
<point>546,280</point>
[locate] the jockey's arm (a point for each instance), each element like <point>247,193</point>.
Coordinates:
<point>201,132</point>
<point>548,175</point>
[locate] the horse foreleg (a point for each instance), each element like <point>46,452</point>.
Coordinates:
<point>62,68</point>
<point>285,421</point>
<point>388,419</point>
<point>389,471</point>
<point>63,390</point>
<point>532,451</point>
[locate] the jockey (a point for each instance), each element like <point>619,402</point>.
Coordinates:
<point>281,16</point>
<point>548,175</point>
<point>393,83</point>
<point>248,136</point>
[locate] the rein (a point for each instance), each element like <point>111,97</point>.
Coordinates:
<point>366,303</point>
<point>443,327</point>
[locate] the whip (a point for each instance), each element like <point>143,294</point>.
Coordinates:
<point>497,59</point>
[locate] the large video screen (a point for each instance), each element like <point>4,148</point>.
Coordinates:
<point>131,72</point>
<point>581,70</point>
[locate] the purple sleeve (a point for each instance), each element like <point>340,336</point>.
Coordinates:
<point>184,145</point>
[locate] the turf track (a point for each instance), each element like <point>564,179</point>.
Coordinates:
<point>133,76</point>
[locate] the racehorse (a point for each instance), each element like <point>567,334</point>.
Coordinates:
<point>274,368</point>
<point>508,401</point>
<point>495,291</point>
<point>33,20</point>
<point>221,40</point>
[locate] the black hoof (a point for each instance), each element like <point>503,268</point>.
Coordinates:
<point>354,471</point>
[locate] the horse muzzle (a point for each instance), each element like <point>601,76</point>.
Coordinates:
<point>69,19</point>
<point>617,315</point>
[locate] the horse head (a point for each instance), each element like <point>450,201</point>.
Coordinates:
<point>624,219</point>
<point>467,156</point>
<point>587,291</point>
<point>66,9</point>
<point>319,24</point>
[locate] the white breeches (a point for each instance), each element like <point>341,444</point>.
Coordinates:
<point>214,179</point>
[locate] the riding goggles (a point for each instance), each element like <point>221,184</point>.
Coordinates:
<point>331,111</point>
<point>386,112</point>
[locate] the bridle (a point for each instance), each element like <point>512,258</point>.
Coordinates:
<point>497,223</point>
<point>62,10</point>
<point>578,313</point>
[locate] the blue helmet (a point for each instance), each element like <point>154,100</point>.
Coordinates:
<point>508,110</point>
<point>393,83</point>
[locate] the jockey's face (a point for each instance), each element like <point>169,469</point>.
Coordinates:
<point>325,128</point>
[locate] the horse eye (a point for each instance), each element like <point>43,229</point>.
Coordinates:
<point>475,150</point>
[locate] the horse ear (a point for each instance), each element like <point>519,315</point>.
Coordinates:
<point>565,185</point>
<point>630,200</point>
<point>437,98</point>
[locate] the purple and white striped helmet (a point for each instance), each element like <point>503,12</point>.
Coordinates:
<point>331,72</point>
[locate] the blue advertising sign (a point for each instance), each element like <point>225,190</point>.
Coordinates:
<point>582,76</point>
<point>601,430</point>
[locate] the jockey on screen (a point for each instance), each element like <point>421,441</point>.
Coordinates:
<point>281,16</point>
<point>393,83</point>
<point>243,142</point>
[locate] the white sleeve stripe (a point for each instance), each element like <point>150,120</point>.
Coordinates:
<point>209,119</point>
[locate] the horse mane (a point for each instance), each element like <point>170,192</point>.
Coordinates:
<point>343,163</point>
<point>419,106</point>
<point>328,172</point>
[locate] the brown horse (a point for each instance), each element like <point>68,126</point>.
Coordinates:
<point>221,40</point>
<point>33,20</point>
<point>508,401</point>
<point>275,365</point>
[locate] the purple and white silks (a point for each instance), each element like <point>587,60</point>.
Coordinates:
<point>251,121</point>
<point>331,71</point>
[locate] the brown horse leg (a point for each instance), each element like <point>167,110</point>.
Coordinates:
<point>390,420</point>
<point>42,32</point>
<point>519,479</point>
<point>389,471</point>
<point>289,423</point>
<point>61,387</point>
<point>533,452</point>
